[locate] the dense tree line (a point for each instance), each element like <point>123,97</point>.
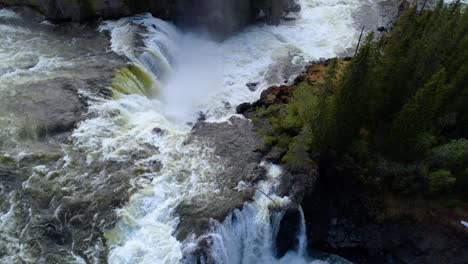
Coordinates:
<point>399,109</point>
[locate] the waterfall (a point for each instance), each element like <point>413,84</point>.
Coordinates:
<point>302,235</point>
<point>249,235</point>
<point>144,129</point>
<point>196,74</point>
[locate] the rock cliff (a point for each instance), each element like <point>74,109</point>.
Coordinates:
<point>221,17</point>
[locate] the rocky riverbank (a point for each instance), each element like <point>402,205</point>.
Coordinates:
<point>343,217</point>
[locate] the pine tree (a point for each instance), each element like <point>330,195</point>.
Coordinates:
<point>323,125</point>
<point>352,108</point>
<point>418,118</point>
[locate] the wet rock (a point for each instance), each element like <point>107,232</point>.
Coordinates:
<point>54,108</point>
<point>144,152</point>
<point>235,143</point>
<point>297,185</point>
<point>201,116</point>
<point>280,95</point>
<point>400,241</point>
<point>242,108</point>
<point>227,105</point>
<point>276,95</point>
<point>287,238</point>
<point>296,8</point>
<point>228,16</point>
<point>201,252</point>
<point>381,29</point>
<point>252,86</point>
<point>156,165</point>
<point>236,139</point>
<point>158,131</point>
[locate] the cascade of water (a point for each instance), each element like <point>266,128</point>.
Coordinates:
<point>249,235</point>
<point>199,74</point>
<point>302,235</point>
<point>173,75</point>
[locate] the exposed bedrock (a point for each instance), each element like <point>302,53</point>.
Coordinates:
<point>237,146</point>
<point>235,143</point>
<point>221,17</point>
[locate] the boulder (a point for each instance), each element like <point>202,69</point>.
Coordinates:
<point>235,143</point>
<point>252,86</point>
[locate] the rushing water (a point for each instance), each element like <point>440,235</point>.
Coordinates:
<point>209,77</point>
<point>174,77</point>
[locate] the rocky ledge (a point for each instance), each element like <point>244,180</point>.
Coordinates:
<point>221,17</point>
<point>346,219</point>
<point>237,146</point>
<point>235,143</point>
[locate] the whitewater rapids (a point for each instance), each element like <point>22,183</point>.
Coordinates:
<point>185,74</point>
<point>209,77</point>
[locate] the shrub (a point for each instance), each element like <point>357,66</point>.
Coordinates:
<point>441,181</point>
<point>452,155</point>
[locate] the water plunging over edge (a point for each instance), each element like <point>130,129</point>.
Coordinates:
<point>260,53</point>
<point>191,74</point>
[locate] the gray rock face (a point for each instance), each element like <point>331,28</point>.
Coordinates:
<point>235,143</point>
<point>380,16</point>
<point>221,17</point>
<point>238,145</point>
<point>55,108</point>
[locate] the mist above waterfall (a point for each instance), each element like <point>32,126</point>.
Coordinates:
<point>195,77</point>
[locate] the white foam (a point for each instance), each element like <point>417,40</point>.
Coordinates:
<point>249,235</point>
<point>7,13</point>
<point>210,77</point>
<point>452,1</point>
<point>464,223</point>
<point>267,54</point>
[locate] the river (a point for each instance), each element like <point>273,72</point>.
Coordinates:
<point>145,127</point>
